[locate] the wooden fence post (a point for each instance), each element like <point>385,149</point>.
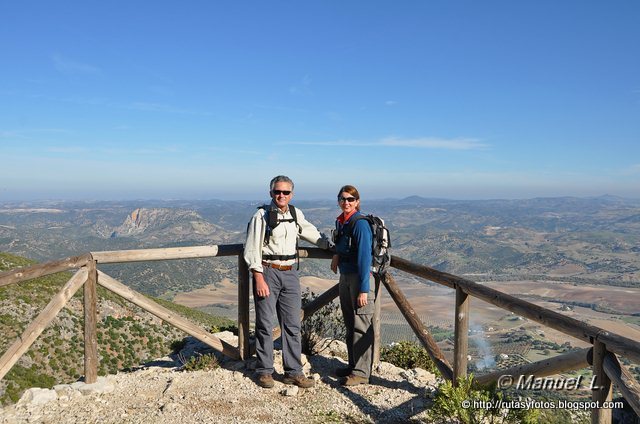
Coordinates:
<point>461,345</point>
<point>90,324</point>
<point>603,391</point>
<point>623,380</point>
<point>243,308</point>
<point>376,323</point>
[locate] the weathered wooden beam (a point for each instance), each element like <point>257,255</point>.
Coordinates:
<point>570,326</point>
<point>623,379</point>
<point>27,273</point>
<point>425,272</point>
<point>20,346</point>
<point>418,327</point>
<point>604,392</point>
<point>169,253</point>
<point>461,335</point>
<point>314,253</point>
<point>558,364</point>
<point>167,315</point>
<point>621,345</point>
<point>244,287</point>
<point>377,336</point>
<point>319,302</point>
<point>90,325</point>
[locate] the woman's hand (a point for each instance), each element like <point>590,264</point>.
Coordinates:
<point>362,300</point>
<point>334,263</point>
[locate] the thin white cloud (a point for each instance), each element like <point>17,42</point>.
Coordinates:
<point>303,87</point>
<point>99,149</point>
<point>162,90</point>
<point>435,143</point>
<point>279,108</point>
<point>328,143</point>
<point>164,108</point>
<point>390,103</point>
<point>137,106</point>
<point>68,150</point>
<point>25,133</point>
<point>234,151</point>
<point>416,143</point>
<point>67,66</point>
<point>141,150</point>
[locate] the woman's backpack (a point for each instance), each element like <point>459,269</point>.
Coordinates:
<point>380,242</point>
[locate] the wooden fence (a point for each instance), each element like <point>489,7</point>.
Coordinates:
<point>602,356</point>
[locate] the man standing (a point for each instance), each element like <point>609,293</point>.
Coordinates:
<point>270,252</point>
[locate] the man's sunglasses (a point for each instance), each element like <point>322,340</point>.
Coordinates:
<point>347,199</point>
<point>278,192</point>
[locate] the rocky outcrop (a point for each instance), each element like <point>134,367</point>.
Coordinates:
<point>168,224</point>
<point>162,393</point>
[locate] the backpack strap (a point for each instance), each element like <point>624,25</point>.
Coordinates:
<point>294,214</point>
<point>347,230</point>
<point>272,222</point>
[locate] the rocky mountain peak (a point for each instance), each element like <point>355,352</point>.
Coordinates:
<point>163,223</point>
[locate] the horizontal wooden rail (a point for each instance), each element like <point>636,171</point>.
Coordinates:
<point>40,270</point>
<point>568,362</point>
<point>578,329</point>
<point>189,252</point>
<point>167,315</point>
<point>37,326</point>
<point>168,253</point>
<point>314,253</point>
<point>320,301</point>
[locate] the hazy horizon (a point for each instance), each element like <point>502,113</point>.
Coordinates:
<point>297,197</point>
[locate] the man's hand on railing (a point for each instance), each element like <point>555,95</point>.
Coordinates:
<point>262,288</point>
<point>325,242</point>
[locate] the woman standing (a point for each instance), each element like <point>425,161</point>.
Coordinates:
<point>353,238</point>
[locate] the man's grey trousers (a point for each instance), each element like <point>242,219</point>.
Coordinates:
<point>285,301</point>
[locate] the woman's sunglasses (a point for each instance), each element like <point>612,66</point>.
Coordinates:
<point>347,199</point>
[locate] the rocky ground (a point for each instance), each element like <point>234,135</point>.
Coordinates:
<point>162,393</point>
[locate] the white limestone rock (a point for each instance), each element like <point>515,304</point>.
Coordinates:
<point>37,396</point>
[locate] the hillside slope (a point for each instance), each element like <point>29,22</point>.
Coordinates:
<point>127,336</point>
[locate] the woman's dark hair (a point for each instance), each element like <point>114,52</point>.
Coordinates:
<point>352,191</point>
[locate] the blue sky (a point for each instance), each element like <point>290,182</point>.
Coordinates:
<point>204,99</point>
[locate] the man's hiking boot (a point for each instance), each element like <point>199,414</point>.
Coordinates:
<point>265,380</point>
<point>299,380</point>
<point>354,380</point>
<point>343,372</point>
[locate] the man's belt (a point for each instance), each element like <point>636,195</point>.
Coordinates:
<point>279,257</point>
<point>278,266</point>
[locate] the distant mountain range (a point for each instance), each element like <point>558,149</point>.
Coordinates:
<point>595,240</point>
